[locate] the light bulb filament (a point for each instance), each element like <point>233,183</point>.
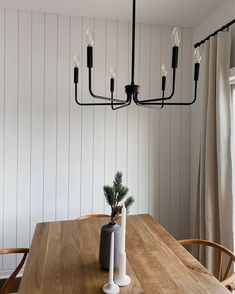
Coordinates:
<point>163,70</point>
<point>89,38</point>
<point>76,60</point>
<point>112,72</point>
<point>197,55</point>
<point>176,37</point>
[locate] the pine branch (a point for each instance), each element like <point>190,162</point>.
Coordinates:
<point>114,195</point>
<point>109,195</point>
<point>122,193</point>
<point>117,183</point>
<point>129,201</point>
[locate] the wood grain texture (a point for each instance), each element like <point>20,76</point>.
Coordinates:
<point>64,259</point>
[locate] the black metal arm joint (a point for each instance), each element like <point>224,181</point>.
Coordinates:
<point>128,103</point>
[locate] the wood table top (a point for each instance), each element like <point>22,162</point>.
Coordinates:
<point>64,259</point>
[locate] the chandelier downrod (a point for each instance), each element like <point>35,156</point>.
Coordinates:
<point>132,90</point>
<point>133,43</point>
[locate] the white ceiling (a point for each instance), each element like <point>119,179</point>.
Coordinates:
<point>181,12</point>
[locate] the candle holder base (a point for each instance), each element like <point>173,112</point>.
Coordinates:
<point>122,281</point>
<point>110,288</point>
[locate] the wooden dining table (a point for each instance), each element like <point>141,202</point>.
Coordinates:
<point>64,258</point>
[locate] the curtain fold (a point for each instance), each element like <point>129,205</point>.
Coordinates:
<point>214,218</point>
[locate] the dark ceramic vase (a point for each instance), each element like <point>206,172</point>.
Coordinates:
<point>105,239</point>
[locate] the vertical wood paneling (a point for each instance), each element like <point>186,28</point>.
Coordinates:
<point>111,116</point>
<point>133,130</point>
<point>144,114</point>
<point>154,131</point>
<point>99,117</point>
<point>62,143</point>
<point>185,128</point>
<point>37,120</point>
<point>165,132</point>
<point>175,134</point>
<point>2,122</point>
<point>74,152</point>
<point>55,156</point>
<point>122,78</point>
<point>87,131</point>
<point>51,112</point>
<point>11,136</point>
<point>24,125</point>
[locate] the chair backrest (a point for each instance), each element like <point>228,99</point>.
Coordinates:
<point>219,262</point>
<point>9,282</point>
<point>93,216</point>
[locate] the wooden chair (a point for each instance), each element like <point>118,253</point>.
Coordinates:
<point>92,216</point>
<point>222,277</point>
<point>230,282</point>
<point>9,282</point>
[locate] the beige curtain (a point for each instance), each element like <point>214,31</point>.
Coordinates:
<point>214,220</point>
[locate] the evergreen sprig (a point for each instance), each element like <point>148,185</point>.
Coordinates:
<point>116,194</point>
<point>109,194</point>
<point>128,203</point>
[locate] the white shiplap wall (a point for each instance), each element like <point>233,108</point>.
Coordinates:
<point>55,156</point>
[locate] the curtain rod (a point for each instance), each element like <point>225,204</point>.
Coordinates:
<point>215,33</point>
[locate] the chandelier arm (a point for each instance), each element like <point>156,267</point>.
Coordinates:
<point>128,103</point>
<point>155,107</point>
<point>164,98</point>
<point>93,104</point>
<point>101,97</point>
<point>151,106</point>
<point>175,103</point>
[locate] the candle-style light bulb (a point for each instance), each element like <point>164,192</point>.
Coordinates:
<point>197,59</point>
<point>89,38</point>
<point>176,37</point>
<point>163,70</point>
<point>76,60</point>
<point>197,55</point>
<point>112,72</point>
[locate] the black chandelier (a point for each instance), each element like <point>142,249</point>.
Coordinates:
<point>132,90</point>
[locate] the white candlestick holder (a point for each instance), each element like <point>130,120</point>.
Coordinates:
<point>122,279</point>
<point>110,287</point>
